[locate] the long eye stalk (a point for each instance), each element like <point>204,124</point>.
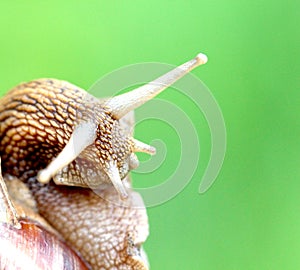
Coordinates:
<point>122,104</point>
<point>83,136</point>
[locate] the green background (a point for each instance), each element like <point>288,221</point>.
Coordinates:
<point>250,218</point>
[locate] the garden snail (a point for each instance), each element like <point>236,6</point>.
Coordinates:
<point>51,129</point>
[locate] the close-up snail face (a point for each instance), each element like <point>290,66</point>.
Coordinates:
<point>115,148</point>
<point>51,129</point>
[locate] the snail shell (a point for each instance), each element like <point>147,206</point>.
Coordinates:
<point>33,247</point>
<point>27,240</point>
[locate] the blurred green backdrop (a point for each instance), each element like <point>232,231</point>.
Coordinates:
<point>250,218</point>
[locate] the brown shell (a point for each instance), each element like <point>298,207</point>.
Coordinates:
<point>33,247</point>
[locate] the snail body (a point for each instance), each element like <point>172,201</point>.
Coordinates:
<point>51,129</point>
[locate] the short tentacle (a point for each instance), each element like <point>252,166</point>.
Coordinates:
<point>139,146</point>
<point>113,174</point>
<point>133,162</point>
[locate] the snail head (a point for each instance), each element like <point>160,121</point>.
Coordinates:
<point>100,150</point>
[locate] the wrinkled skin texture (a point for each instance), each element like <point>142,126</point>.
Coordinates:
<point>36,122</point>
<point>107,232</point>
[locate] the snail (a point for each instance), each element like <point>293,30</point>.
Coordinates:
<point>51,129</point>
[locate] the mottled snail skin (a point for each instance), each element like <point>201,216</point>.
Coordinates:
<point>37,120</point>
<point>108,235</point>
<point>51,129</point>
